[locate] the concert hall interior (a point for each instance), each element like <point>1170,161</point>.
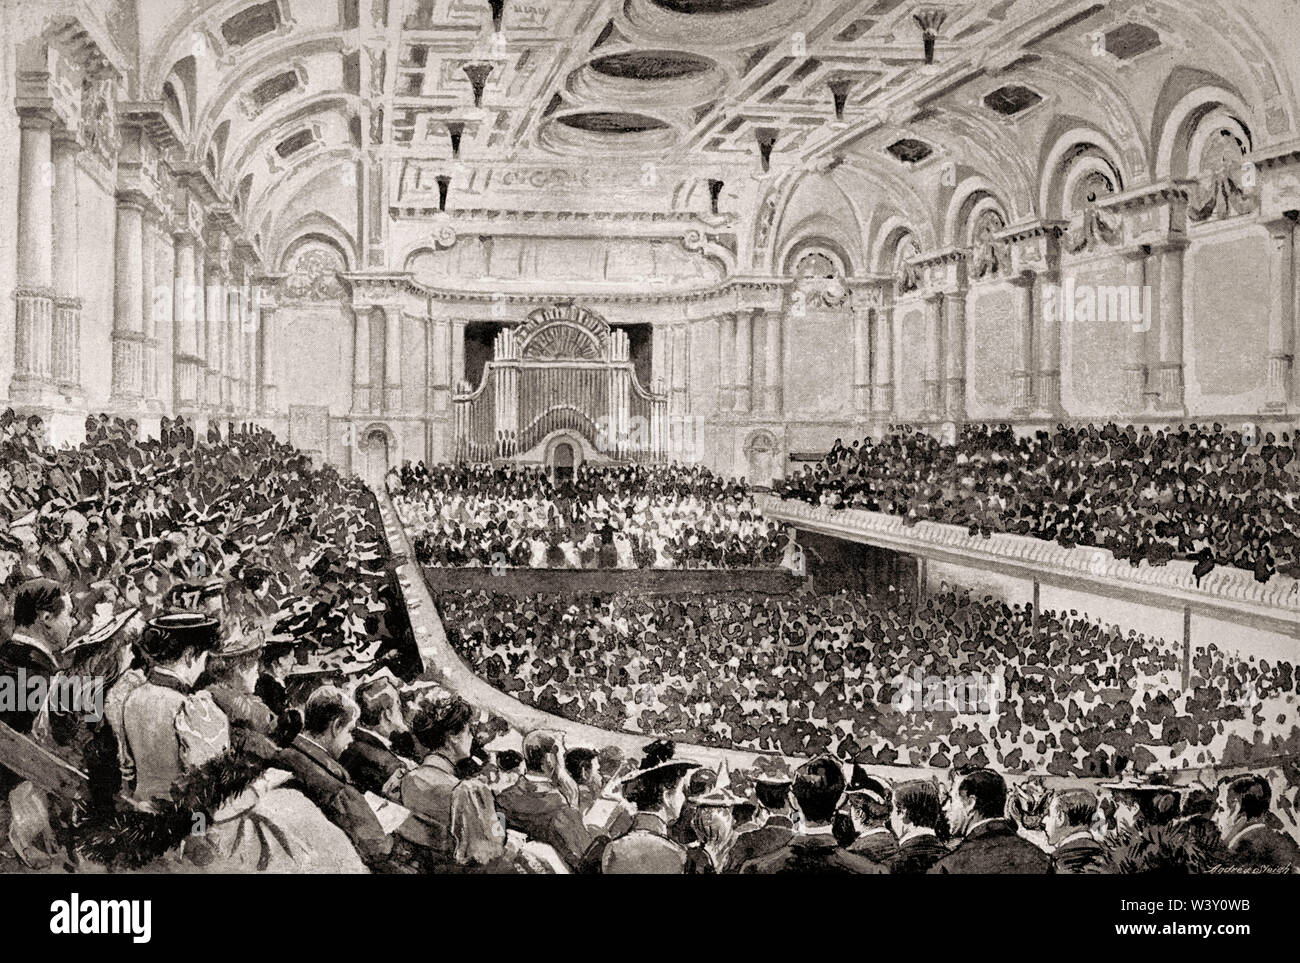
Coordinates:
<point>892,402</point>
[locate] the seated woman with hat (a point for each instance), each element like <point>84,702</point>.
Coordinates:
<point>231,677</point>
<point>171,730</point>
<point>657,790</point>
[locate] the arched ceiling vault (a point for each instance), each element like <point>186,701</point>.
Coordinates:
<point>837,87</point>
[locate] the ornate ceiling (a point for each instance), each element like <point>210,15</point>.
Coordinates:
<point>350,110</point>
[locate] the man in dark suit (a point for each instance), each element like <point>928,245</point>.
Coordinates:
<point>312,757</point>
<point>371,760</point>
<point>915,817</point>
<point>772,791</point>
<point>1242,815</point>
<point>869,807</point>
<point>1070,816</point>
<point>977,810</point>
<point>42,623</point>
<point>818,788</point>
<point>542,803</point>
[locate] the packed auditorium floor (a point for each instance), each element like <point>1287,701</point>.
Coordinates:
<point>225,643</point>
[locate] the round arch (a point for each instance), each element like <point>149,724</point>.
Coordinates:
<point>1058,167</point>
<point>1175,151</point>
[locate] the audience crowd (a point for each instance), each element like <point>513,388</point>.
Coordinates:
<point>635,516</point>
<point>957,681</point>
<point>1202,493</point>
<point>226,685</point>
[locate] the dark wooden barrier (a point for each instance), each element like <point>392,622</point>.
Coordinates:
<point>565,581</point>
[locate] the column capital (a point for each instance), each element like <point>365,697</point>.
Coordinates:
<point>133,200</point>
<point>64,140</point>
<point>1173,244</point>
<point>37,115</point>
<point>1282,227</point>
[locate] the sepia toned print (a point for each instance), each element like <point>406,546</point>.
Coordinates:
<point>675,437</point>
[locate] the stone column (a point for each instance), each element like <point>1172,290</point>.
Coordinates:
<point>215,330</point>
<point>1022,371</point>
<point>457,354</point>
<point>163,315</point>
<point>441,355</point>
<point>393,358</point>
<point>201,319</point>
<point>681,427</point>
<point>744,354</point>
<point>361,360</point>
<point>148,306</point>
<point>186,371</point>
<point>861,357</point>
<point>1281,314</point>
<point>34,291</point>
<point>774,378</point>
<point>882,385</point>
<point>1170,398</point>
<point>933,356</point>
<point>1135,338</point>
<point>268,356</point>
<point>65,346</point>
<point>1048,345</point>
<point>726,366</point>
<point>128,304</point>
<point>230,345</point>
<point>660,361</point>
<point>955,322</point>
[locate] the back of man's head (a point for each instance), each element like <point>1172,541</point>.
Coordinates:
<point>37,597</point>
<point>1250,795</point>
<point>578,763</point>
<point>918,802</point>
<point>987,791</point>
<point>773,796</point>
<point>376,699</point>
<point>1077,807</point>
<point>818,787</point>
<point>326,707</point>
<point>539,745</point>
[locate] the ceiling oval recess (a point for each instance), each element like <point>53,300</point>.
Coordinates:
<point>651,65</point>
<point>613,122</point>
<point>711,6</point>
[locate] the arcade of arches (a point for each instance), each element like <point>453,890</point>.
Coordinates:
<point>716,232</point>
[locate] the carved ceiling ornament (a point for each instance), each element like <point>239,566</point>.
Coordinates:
<point>313,275</point>
<point>819,278</point>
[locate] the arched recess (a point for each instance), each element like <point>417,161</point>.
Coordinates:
<point>894,238</point>
<point>318,228</point>
<point>816,205</point>
<point>1191,121</point>
<point>579,447</point>
<point>973,196</point>
<point>763,458</point>
<point>817,243</point>
<point>1079,169</point>
<point>380,450</point>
